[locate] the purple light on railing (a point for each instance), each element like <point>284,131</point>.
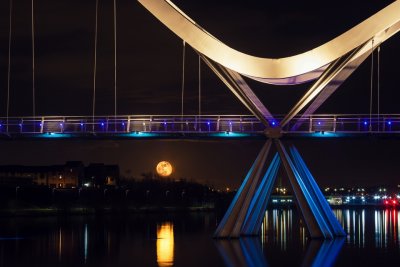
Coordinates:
<point>319,123</point>
<point>102,124</point>
<point>365,123</point>
<point>230,123</point>
<point>389,122</point>
<point>123,124</point>
<point>40,124</point>
<point>165,123</point>
<point>273,123</point>
<point>20,125</point>
<point>1,125</point>
<point>208,123</point>
<point>61,125</point>
<point>81,124</point>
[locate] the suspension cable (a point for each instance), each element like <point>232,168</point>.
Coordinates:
<point>199,86</point>
<point>372,85</point>
<point>9,65</point>
<point>33,61</point>
<point>115,65</point>
<point>95,65</point>
<point>379,85</point>
<point>183,81</point>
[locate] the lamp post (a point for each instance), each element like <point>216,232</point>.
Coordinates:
<point>147,195</point>
<point>16,192</point>
<point>53,194</point>
<point>104,193</point>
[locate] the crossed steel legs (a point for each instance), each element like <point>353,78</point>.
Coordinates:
<point>246,212</point>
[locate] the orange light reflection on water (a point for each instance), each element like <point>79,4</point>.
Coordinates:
<point>165,244</point>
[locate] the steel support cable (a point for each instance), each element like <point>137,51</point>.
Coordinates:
<point>115,65</point>
<point>199,87</point>
<point>183,81</point>
<point>33,61</point>
<point>379,85</point>
<point>372,85</point>
<point>9,66</point>
<point>95,65</point>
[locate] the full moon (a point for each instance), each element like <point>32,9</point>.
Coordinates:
<point>164,168</point>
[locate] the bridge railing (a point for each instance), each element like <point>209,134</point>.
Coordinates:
<point>345,123</point>
<point>342,123</point>
<point>131,123</point>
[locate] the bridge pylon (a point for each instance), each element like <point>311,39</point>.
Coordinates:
<point>328,71</point>
<point>246,211</point>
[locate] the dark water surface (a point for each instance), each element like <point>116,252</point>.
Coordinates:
<point>184,239</point>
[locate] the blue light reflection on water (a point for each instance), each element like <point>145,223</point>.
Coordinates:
<point>185,240</point>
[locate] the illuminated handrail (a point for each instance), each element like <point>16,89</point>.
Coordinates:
<point>338,123</point>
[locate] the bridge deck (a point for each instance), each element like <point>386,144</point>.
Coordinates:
<point>207,126</point>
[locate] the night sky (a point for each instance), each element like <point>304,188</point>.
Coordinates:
<point>149,76</point>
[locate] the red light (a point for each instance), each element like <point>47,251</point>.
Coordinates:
<point>386,202</point>
<point>394,201</point>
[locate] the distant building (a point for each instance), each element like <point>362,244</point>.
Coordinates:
<point>98,175</point>
<point>16,175</point>
<point>70,175</point>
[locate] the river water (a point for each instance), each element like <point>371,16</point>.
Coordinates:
<point>185,239</point>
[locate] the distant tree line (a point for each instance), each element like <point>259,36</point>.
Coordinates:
<point>147,192</point>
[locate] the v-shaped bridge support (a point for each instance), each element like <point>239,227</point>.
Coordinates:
<point>329,65</point>
<point>246,212</point>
